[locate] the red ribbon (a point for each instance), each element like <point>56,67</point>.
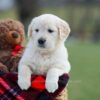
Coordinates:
<point>16,49</point>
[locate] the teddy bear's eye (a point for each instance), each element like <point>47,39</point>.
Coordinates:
<point>36,30</point>
<point>50,31</point>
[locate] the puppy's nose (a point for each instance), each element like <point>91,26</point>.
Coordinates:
<point>15,35</point>
<point>41,41</point>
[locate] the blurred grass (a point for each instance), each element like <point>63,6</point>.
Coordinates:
<point>12,13</point>
<point>84,81</point>
<point>74,15</point>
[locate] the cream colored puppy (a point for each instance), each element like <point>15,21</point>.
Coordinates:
<point>45,52</point>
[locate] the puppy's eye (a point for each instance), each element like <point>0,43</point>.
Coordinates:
<point>37,30</point>
<point>50,31</point>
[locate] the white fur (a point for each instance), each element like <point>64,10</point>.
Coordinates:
<point>51,60</point>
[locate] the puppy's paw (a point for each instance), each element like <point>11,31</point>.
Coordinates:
<point>51,85</point>
<point>24,84</point>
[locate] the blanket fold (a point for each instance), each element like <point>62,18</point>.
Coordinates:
<point>9,89</point>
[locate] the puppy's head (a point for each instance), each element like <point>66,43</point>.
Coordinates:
<point>48,31</point>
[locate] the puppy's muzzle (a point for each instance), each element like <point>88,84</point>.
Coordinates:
<point>41,42</point>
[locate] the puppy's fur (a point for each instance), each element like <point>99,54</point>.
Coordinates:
<point>49,57</point>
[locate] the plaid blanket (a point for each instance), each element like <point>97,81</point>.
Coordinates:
<point>9,90</point>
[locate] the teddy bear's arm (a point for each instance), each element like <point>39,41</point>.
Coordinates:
<point>14,60</point>
<point>3,68</point>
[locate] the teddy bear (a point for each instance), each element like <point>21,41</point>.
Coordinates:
<point>12,37</point>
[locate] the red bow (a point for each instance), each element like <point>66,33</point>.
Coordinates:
<point>16,49</point>
<point>38,83</point>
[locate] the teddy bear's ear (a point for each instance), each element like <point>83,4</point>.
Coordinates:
<point>29,31</point>
<point>63,29</point>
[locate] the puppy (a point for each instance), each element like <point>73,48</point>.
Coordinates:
<point>45,52</point>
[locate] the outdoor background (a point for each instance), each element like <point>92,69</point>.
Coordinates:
<point>83,43</point>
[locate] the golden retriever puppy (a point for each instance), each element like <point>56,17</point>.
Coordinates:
<point>45,52</point>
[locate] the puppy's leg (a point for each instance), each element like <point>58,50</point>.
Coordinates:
<point>52,79</point>
<point>24,77</point>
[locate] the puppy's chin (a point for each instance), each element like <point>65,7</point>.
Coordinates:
<point>45,50</point>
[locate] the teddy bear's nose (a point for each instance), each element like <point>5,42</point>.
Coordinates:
<point>15,35</point>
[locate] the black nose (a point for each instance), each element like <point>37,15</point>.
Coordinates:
<point>41,41</point>
<point>15,35</point>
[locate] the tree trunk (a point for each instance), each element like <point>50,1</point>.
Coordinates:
<point>27,9</point>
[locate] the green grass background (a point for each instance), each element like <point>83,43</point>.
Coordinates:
<point>84,81</point>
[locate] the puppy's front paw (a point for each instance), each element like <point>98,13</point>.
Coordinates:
<point>24,84</point>
<point>51,85</point>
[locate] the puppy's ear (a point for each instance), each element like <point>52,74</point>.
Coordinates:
<point>30,27</point>
<point>29,31</point>
<point>64,30</point>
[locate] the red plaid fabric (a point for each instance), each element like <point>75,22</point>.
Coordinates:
<point>9,90</point>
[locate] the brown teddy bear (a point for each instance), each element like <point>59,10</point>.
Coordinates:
<point>11,38</point>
